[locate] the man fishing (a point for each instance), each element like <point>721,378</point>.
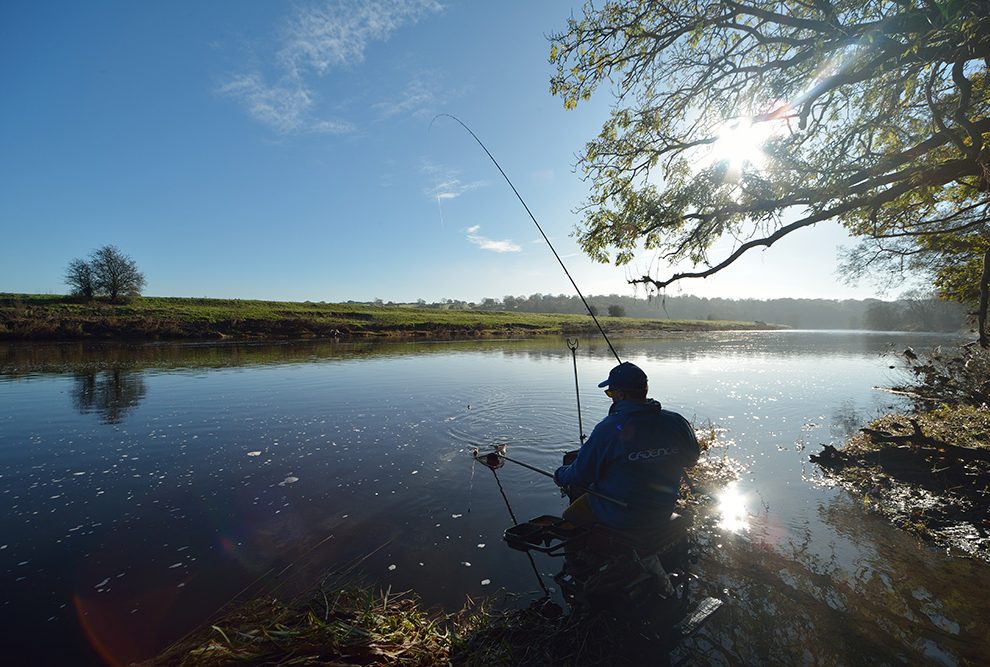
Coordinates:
<point>636,455</point>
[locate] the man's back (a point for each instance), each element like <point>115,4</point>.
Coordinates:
<point>636,455</point>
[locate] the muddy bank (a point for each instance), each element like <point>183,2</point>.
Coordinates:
<point>927,472</point>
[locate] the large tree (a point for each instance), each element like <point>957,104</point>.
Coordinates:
<point>117,275</point>
<point>108,272</point>
<point>753,119</point>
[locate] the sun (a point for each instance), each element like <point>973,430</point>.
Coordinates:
<point>740,144</point>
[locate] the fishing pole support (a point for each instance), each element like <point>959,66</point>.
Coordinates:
<point>492,460</point>
<point>572,345</point>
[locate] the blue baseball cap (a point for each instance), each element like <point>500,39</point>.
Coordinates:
<point>625,376</point>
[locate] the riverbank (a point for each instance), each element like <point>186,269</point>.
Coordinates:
<point>928,470</point>
<point>53,317</point>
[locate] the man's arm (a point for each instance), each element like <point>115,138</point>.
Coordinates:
<point>590,462</point>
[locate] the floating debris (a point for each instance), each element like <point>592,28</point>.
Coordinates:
<point>254,453</point>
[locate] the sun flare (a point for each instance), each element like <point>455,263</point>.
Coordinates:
<point>740,143</point>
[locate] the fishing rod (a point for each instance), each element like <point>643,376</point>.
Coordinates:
<point>559,261</point>
<point>542,233</point>
<point>500,454</point>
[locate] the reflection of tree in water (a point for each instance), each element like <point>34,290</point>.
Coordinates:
<point>109,393</point>
<point>847,420</point>
<point>788,604</point>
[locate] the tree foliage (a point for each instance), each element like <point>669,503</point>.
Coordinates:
<point>109,273</point>
<point>872,113</point>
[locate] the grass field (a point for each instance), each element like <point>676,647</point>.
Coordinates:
<point>54,317</point>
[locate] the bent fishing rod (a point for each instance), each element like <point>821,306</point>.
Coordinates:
<point>577,289</point>
<point>535,222</point>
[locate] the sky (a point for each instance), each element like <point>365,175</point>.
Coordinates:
<point>291,151</point>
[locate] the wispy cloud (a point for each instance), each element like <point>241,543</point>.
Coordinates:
<point>314,41</point>
<point>486,243</point>
<point>419,98</point>
<point>285,106</point>
<point>445,183</point>
<point>454,188</point>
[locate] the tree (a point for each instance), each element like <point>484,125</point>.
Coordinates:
<point>752,119</point>
<point>924,311</point>
<point>117,275</point>
<point>616,311</point>
<point>79,277</point>
<point>108,273</point>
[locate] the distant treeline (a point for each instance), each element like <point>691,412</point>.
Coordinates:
<point>912,313</point>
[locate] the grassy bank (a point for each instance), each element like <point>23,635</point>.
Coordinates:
<point>52,317</point>
<point>928,470</point>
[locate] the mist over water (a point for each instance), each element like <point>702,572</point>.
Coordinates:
<point>147,485</point>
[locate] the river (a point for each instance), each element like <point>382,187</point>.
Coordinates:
<point>146,485</point>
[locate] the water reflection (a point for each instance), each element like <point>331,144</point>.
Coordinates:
<point>109,393</point>
<point>21,359</point>
<point>792,602</point>
<point>847,420</point>
<point>173,513</point>
<point>731,508</point>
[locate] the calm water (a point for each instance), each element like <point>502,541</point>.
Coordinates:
<point>145,486</point>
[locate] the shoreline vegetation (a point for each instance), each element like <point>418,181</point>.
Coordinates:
<point>927,470</point>
<point>55,317</point>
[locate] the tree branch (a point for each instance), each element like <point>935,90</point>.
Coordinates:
<point>942,176</point>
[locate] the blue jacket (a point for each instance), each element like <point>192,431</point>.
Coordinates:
<point>636,454</point>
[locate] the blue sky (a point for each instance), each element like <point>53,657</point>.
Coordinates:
<point>285,151</point>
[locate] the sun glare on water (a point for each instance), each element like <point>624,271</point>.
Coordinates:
<point>733,516</point>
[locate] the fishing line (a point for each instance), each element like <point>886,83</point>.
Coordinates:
<point>533,218</point>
